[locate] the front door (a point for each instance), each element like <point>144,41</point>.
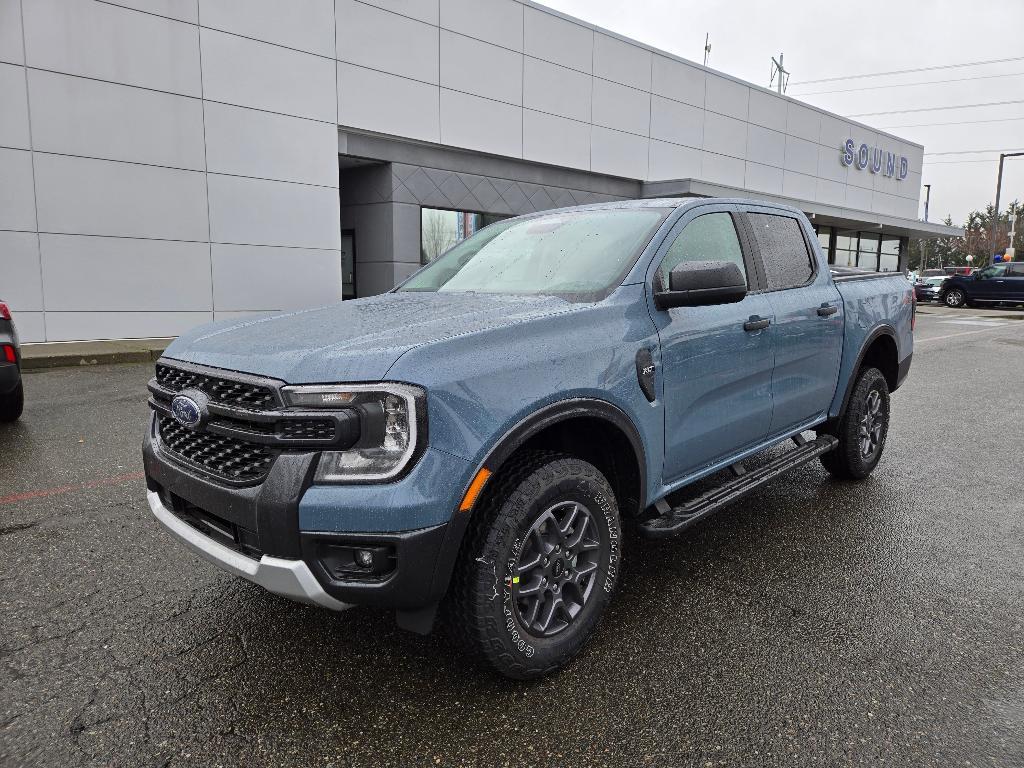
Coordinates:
<point>1015,282</point>
<point>808,312</point>
<point>717,375</point>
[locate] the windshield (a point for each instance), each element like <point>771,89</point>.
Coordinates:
<point>580,255</point>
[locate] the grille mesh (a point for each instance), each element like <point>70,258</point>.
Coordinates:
<point>223,457</point>
<point>306,429</point>
<point>237,393</point>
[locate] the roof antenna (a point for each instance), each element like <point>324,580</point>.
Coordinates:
<point>707,47</point>
<point>783,74</point>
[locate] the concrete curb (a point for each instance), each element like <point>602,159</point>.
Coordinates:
<point>74,354</point>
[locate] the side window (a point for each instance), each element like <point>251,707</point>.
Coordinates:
<point>711,237</point>
<point>996,270</point>
<point>787,262</point>
<point>1015,269</point>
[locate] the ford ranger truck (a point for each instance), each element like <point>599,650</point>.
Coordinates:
<point>470,444</point>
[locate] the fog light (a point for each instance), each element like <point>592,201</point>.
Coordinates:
<point>364,558</point>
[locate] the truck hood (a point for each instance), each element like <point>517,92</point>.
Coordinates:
<point>356,340</point>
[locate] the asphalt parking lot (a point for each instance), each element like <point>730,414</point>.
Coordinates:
<point>816,623</point>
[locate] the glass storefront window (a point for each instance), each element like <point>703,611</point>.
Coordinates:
<point>824,240</point>
<point>846,249</point>
<point>889,261</point>
<point>441,229</point>
<point>867,257</point>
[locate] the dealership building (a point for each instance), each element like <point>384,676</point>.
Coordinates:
<point>165,163</point>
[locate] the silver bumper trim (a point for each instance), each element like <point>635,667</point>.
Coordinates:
<point>290,578</point>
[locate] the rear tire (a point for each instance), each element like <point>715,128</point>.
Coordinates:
<point>12,404</point>
<point>862,430</point>
<point>955,298</point>
<point>539,565</point>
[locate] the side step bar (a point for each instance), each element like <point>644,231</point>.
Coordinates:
<point>674,520</point>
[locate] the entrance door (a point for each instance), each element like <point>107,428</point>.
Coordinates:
<point>348,264</point>
<point>718,375</point>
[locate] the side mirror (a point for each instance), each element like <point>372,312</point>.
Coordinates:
<point>702,283</point>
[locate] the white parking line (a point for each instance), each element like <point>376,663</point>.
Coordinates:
<point>951,335</point>
<point>972,321</point>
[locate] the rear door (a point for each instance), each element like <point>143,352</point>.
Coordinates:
<point>717,360</point>
<point>1015,281</point>
<point>808,318</point>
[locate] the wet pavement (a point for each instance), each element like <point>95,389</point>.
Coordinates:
<point>815,623</point>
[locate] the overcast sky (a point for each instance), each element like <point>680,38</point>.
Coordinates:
<point>823,39</point>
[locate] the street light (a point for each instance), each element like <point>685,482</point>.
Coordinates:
<point>995,213</point>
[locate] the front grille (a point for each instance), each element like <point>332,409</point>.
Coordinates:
<point>239,394</point>
<point>306,429</point>
<point>223,457</point>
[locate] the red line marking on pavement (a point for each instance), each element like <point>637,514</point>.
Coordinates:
<point>128,477</point>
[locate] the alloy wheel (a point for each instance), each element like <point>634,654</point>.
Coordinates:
<point>871,425</point>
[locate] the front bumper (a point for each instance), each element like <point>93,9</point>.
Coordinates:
<point>290,578</point>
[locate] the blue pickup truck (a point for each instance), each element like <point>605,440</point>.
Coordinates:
<point>468,447</point>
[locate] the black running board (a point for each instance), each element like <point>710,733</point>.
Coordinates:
<point>674,520</point>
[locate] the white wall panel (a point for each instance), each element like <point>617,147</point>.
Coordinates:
<point>260,212</point>
<point>112,43</point>
<point>766,146</point>
<point>101,197</point>
<point>387,103</point>
<point>182,10</point>
<point>673,161</point>
<point>481,68</point>
<point>803,122</point>
<point>254,74</point>
<point>79,326</point>
<point>92,274</point>
<point>20,280</point>
<point>763,178</point>
<point>676,122</point>
<point>275,278</point>
<point>617,153</point>
<point>77,116</point>
<point>621,107</point>
<point>17,210</point>
<point>31,327</point>
<point>556,89</point>
<point>767,109</point>
<point>475,123</point>
<point>555,140</point>
<point>829,166</point>
<point>371,37</point>
<point>424,10</point>
<point>304,24</point>
<point>11,49</point>
<point>13,107</point>
<point>676,80</point>
<point>858,198</point>
<point>248,142</point>
<point>493,21</point>
<point>799,186</point>
<point>726,97</point>
<point>801,156</point>
<point>719,169</point>
<point>831,192</point>
<point>725,135</point>
<point>622,62</point>
<point>558,40</point>
<point>834,132</point>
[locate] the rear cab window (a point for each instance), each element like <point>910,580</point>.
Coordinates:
<point>786,259</point>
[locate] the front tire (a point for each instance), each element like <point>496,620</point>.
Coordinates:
<point>12,404</point>
<point>955,298</point>
<point>862,430</point>
<point>539,565</point>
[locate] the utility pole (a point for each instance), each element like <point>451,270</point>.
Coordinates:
<point>707,47</point>
<point>924,255</point>
<point>994,226</point>
<point>783,75</point>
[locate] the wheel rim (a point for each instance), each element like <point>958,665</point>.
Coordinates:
<point>557,568</point>
<point>871,425</point>
<point>954,298</point>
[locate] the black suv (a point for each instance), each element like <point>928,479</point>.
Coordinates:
<point>12,396</point>
<point>998,283</point>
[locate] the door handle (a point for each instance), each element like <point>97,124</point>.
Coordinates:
<point>756,323</point>
<point>827,309</point>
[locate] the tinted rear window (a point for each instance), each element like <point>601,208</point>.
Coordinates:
<point>787,262</point>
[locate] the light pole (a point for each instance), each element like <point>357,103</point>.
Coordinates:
<point>924,255</point>
<point>993,227</point>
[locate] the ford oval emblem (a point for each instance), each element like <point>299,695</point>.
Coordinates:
<point>186,411</point>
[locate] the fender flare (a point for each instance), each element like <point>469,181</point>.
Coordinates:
<point>875,335</point>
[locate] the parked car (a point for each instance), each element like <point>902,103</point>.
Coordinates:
<point>12,394</point>
<point>473,439</point>
<point>995,284</point>
<point>927,289</point>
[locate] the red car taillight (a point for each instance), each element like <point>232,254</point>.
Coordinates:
<point>5,313</point>
<point>9,354</point>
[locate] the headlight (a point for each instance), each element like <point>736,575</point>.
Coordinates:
<point>390,428</point>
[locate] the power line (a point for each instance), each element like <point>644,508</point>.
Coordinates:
<point>955,162</point>
<point>909,71</point>
<point>957,122</point>
<point>908,85</point>
<point>933,109</point>
<point>973,151</point>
